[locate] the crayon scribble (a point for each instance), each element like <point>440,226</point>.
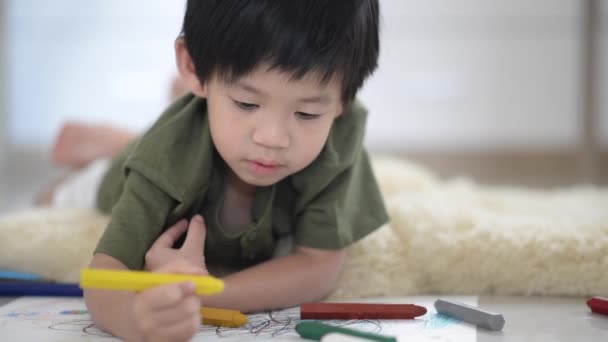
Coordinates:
<point>282,324</point>
<point>438,321</point>
<point>74,312</point>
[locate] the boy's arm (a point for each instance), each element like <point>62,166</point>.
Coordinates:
<point>305,275</point>
<point>123,246</point>
<point>169,312</point>
<point>112,311</point>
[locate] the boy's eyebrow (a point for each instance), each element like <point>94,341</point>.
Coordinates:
<point>321,99</point>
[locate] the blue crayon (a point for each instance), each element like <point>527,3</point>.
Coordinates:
<point>15,275</point>
<point>39,289</point>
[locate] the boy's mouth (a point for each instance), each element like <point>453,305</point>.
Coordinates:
<point>264,166</point>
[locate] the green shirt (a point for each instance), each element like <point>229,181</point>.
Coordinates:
<point>173,171</point>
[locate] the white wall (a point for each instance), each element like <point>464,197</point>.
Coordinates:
<point>2,78</point>
<point>460,74</point>
<point>106,60</point>
<point>477,74</point>
<point>603,81</point>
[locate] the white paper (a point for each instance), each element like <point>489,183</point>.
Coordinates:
<point>61,319</point>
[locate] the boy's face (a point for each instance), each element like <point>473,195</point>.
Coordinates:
<point>267,126</point>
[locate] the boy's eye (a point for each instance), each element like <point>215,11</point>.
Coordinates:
<point>245,105</point>
<point>307,116</point>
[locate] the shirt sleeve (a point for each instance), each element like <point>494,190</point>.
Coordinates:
<point>346,210</point>
<point>137,219</point>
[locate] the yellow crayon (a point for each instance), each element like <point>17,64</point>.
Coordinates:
<point>223,317</point>
<point>141,280</point>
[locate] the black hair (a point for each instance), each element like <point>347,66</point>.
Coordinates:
<point>229,38</point>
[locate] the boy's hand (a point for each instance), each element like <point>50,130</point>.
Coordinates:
<point>168,312</point>
<point>192,251</point>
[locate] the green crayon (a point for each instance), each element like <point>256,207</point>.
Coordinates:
<point>316,330</point>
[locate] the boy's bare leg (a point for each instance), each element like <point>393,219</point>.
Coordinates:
<point>79,144</point>
<point>45,198</point>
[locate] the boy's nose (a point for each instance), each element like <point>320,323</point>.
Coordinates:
<point>271,135</point>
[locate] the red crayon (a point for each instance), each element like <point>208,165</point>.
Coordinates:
<point>598,305</point>
<point>360,311</point>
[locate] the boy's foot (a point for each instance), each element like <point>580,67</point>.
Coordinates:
<point>79,144</point>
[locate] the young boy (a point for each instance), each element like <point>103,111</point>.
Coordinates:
<point>266,147</point>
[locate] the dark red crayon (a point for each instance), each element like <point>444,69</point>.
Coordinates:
<point>360,311</point>
<point>598,305</point>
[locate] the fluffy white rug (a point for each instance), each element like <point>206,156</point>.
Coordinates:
<point>452,237</point>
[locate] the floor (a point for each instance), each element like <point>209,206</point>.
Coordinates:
<point>544,319</point>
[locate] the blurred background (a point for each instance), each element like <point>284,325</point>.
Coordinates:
<point>506,92</point>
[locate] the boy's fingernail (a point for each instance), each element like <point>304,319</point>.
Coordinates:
<point>199,218</point>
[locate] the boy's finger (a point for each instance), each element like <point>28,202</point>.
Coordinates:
<point>195,240</point>
<point>182,330</point>
<point>186,308</point>
<point>166,295</point>
<point>168,238</point>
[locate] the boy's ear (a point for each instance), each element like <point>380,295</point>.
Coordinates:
<point>186,69</point>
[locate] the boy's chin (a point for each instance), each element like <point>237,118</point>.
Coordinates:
<point>260,181</point>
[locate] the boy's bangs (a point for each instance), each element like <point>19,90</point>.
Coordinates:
<point>261,40</point>
<point>227,74</point>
